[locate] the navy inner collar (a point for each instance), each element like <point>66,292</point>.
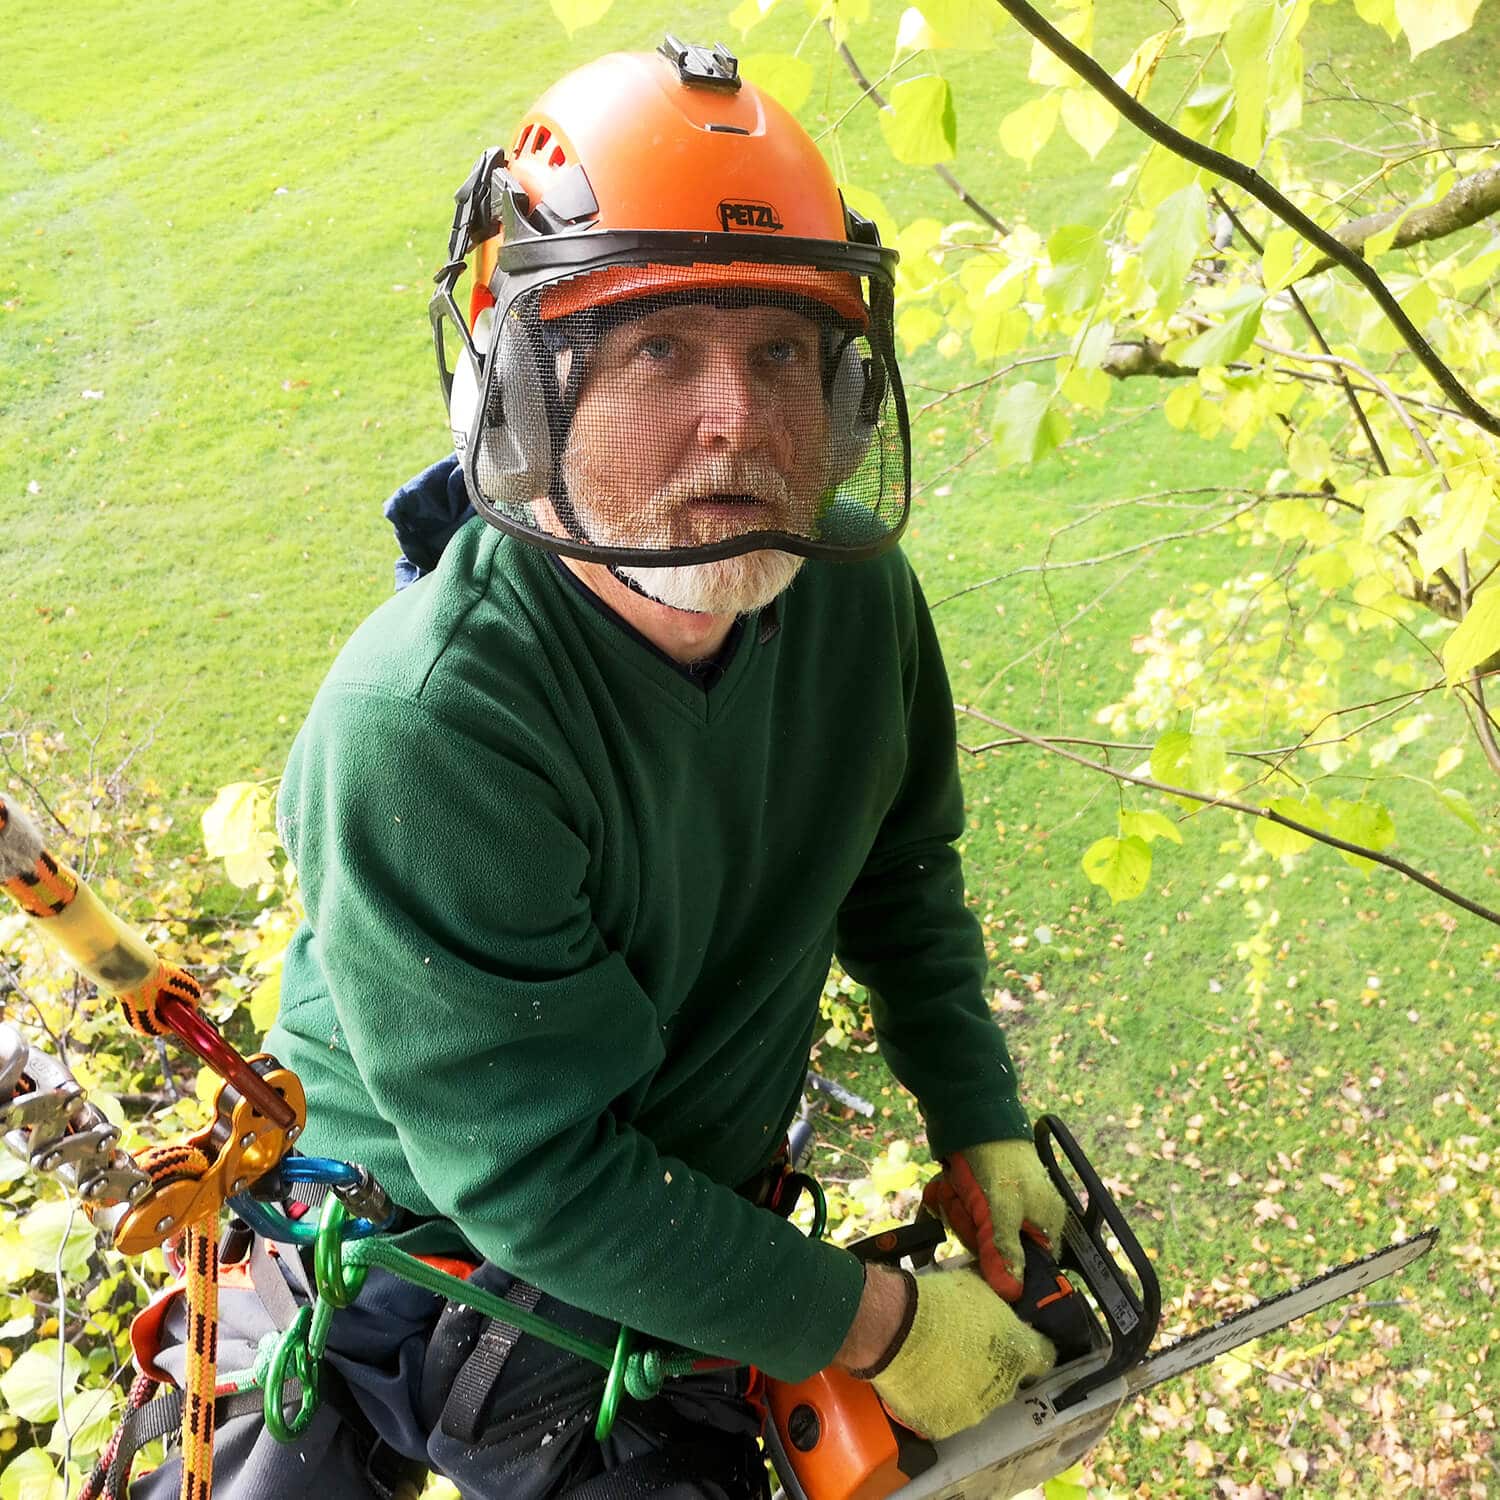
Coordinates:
<point>706,674</point>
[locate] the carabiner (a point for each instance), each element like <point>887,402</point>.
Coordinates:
<point>338,1285</point>
<point>292,1360</point>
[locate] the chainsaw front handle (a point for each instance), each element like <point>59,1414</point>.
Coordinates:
<point>1132,1315</point>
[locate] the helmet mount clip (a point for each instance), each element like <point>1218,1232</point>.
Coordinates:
<point>709,67</point>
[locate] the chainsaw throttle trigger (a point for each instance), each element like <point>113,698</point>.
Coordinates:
<point>1050,1303</point>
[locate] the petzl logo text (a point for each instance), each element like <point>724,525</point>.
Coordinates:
<point>757,217</point>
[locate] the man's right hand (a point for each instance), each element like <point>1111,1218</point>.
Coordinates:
<point>964,1351</point>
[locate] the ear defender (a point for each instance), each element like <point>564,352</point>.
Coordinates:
<point>854,401</point>
<point>513,461</point>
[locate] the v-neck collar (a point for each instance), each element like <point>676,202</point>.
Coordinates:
<point>705,701</point>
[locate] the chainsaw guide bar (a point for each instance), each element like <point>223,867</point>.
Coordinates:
<point>1286,1307</point>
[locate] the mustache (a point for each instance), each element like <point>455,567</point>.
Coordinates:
<point>741,476</point>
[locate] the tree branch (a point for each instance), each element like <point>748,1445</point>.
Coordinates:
<point>1332,840</point>
<point>874,95</point>
<point>1253,183</point>
<point>1312,328</point>
<point>1468,202</point>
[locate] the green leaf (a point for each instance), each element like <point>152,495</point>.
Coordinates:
<point>998,330</point>
<point>787,79</point>
<point>1247,46</point>
<point>1178,408</point>
<point>1365,823</point>
<point>1025,426</point>
<point>920,127</point>
<point>1309,456</point>
<point>31,1476</point>
<point>1195,762</point>
<point>1450,760</point>
<point>1135,77</point>
<point>1217,346</point>
<point>1278,839</point>
<point>265,1001</point>
<point>1149,826</point>
<point>1330,569</point>
<point>1024,131</point>
<point>1086,387</point>
<point>1078,267</point>
<point>1460,806</point>
<point>1069,1485</point>
<point>1089,118</point>
<point>236,829</point>
<point>1285,259</point>
<point>1460,523</point>
<point>42,1232</point>
<point>1389,501</point>
<point>1049,70</point>
<point>1477,637</point>
<point>964,25</point>
<point>86,1425</point>
<point>30,1386</point>
<point>575,14</point>
<point>1428,22</point>
<point>1380,13</point>
<point>1178,232</point>
<point>1208,17</point>
<point>918,326</point>
<point>1121,865</point>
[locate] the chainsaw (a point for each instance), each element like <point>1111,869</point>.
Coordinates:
<point>830,1438</point>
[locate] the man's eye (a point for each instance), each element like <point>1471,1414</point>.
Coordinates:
<point>782,351</point>
<point>657,346</point>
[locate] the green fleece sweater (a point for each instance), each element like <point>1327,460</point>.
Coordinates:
<point>569,915</point>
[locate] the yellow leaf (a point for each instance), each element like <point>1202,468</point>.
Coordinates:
<point>1089,119</point>
<point>578,13</point>
<point>1428,22</point>
<point>1024,131</point>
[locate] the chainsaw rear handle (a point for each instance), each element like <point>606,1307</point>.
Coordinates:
<point>1132,1316</point>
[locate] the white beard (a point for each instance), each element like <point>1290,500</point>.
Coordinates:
<point>731,586</point>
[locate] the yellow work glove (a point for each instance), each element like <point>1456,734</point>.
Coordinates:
<point>965,1354</point>
<point>985,1194</point>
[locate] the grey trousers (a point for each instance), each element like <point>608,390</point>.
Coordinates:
<point>403,1400</point>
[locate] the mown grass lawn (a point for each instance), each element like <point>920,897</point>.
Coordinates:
<point>219,229</point>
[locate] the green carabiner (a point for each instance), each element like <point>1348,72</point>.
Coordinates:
<point>291,1361</point>
<point>614,1383</point>
<point>337,1284</point>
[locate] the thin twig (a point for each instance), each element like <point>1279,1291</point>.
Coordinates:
<point>1319,835</point>
<point>1253,183</point>
<point>869,91</point>
<point>1104,557</point>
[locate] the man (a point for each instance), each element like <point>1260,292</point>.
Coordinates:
<point>581,818</point>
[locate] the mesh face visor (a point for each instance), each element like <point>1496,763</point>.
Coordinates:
<point>658,411</point>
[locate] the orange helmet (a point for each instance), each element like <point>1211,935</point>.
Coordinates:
<point>671,309</point>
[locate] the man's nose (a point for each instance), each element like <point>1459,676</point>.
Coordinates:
<point>732,408</point>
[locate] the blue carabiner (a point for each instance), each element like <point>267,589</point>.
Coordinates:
<point>321,1171</point>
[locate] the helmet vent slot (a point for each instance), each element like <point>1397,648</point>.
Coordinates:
<point>541,138</point>
<point>558,157</point>
<point>521,142</point>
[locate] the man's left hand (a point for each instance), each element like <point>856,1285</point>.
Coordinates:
<point>984,1195</point>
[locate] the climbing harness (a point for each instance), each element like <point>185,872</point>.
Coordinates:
<point>242,1159</point>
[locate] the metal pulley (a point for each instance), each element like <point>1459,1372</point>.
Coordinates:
<point>49,1123</point>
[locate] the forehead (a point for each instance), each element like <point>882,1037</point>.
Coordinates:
<point>708,322</point>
